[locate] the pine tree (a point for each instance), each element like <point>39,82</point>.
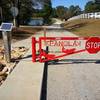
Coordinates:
<point>25,8</point>
<point>47,10</point>
<point>25,11</point>
<point>5,14</point>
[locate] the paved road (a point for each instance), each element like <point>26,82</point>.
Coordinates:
<point>73,80</point>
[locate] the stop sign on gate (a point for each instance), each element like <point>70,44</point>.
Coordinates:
<point>93,45</point>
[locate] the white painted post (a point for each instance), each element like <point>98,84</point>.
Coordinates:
<point>7,45</point>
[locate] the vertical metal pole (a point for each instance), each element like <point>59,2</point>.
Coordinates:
<point>44,32</point>
<point>33,49</point>
<point>14,21</point>
<point>7,46</point>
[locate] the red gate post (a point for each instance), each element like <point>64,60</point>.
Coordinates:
<point>33,49</point>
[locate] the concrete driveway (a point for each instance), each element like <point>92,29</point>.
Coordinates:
<point>75,79</point>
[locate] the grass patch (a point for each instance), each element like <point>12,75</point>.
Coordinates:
<point>84,27</point>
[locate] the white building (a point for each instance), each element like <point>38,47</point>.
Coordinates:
<point>95,15</point>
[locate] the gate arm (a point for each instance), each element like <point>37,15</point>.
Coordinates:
<point>64,55</point>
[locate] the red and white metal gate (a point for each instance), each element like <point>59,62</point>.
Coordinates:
<point>66,46</point>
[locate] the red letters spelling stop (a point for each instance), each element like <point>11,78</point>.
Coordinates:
<point>93,45</point>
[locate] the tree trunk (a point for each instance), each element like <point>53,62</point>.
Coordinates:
<point>1,14</point>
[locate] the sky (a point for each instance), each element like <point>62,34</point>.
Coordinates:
<point>67,3</point>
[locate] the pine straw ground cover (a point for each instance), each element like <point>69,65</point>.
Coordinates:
<point>6,68</point>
